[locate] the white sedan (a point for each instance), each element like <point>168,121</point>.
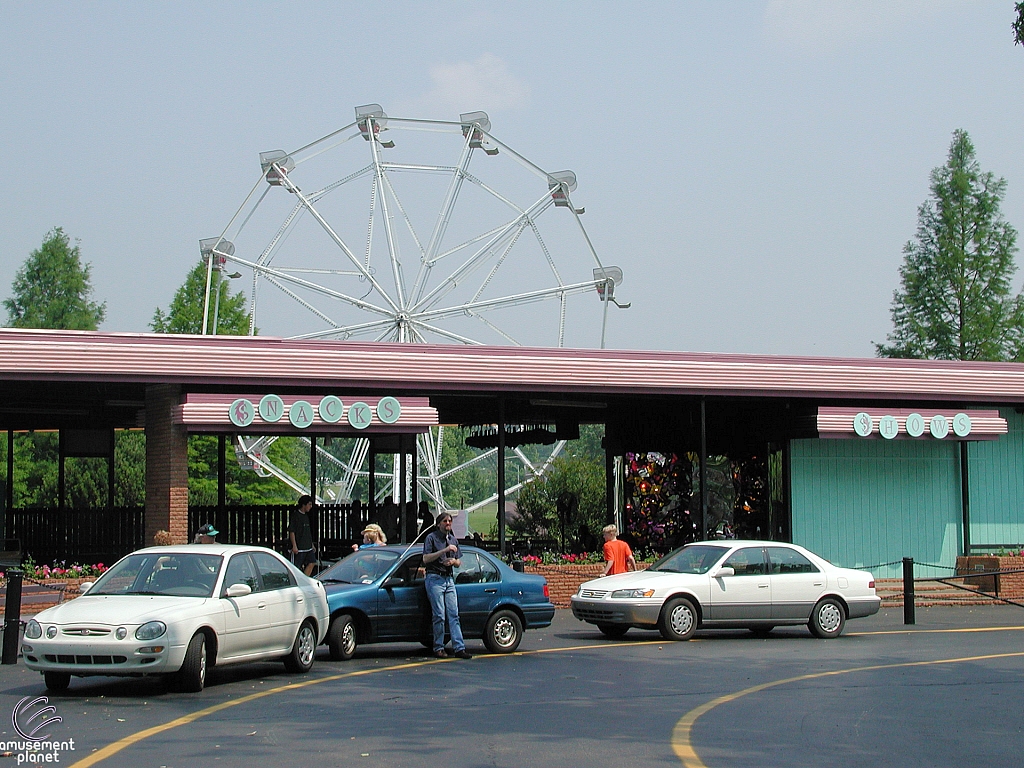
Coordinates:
<point>179,611</point>
<point>754,584</point>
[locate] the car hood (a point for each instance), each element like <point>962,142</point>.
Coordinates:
<point>119,609</point>
<point>641,578</point>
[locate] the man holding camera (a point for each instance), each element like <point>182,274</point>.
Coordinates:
<point>441,556</point>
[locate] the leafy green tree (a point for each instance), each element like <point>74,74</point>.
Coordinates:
<point>52,289</point>
<point>955,301</point>
<point>1018,25</point>
<point>185,314</point>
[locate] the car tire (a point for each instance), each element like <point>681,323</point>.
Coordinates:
<point>341,638</point>
<point>827,619</point>
<point>191,678</point>
<point>503,633</point>
<point>303,652</point>
<point>613,631</point>
<point>57,681</point>
<point>678,619</point>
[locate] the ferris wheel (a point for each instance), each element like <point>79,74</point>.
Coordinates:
<point>382,230</point>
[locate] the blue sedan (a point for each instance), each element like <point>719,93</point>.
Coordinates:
<point>377,595</point>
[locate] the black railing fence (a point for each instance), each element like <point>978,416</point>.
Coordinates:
<point>86,536</point>
<point>93,536</point>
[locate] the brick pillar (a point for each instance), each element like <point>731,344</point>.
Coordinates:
<point>166,466</point>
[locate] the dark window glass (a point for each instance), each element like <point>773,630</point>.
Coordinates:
<point>241,571</point>
<point>275,574</point>
<point>748,561</point>
<point>786,560</point>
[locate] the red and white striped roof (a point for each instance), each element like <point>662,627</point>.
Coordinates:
<point>266,362</point>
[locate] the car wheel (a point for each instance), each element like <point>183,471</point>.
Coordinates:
<point>303,650</point>
<point>827,619</point>
<point>678,619</point>
<point>613,631</point>
<point>503,633</point>
<point>762,631</point>
<point>341,638</point>
<point>57,681</point>
<point>192,676</point>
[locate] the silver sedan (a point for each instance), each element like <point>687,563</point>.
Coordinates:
<point>753,584</point>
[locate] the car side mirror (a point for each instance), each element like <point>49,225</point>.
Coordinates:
<point>84,587</point>
<point>238,590</point>
<point>725,571</point>
<point>394,581</point>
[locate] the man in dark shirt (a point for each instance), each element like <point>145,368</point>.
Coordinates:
<point>300,534</point>
<point>441,556</point>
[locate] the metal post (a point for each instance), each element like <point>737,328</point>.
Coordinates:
<point>965,497</point>
<point>703,470</point>
<point>371,502</point>
<point>9,506</point>
<point>111,476</point>
<point>908,590</point>
<point>501,476</point>
<point>12,616</point>
<point>403,489</point>
<point>609,483</point>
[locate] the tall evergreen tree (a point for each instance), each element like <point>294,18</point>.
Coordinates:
<point>185,315</point>
<point>955,301</point>
<point>52,289</point>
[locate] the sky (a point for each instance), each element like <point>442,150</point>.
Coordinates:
<point>754,168</point>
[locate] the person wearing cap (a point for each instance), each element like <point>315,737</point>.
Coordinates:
<point>207,534</point>
<point>373,536</point>
<point>300,533</point>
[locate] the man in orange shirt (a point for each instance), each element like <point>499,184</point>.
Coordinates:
<point>617,553</point>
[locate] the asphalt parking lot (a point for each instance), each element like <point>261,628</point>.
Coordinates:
<point>946,691</point>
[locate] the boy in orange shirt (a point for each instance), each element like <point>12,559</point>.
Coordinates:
<point>617,553</point>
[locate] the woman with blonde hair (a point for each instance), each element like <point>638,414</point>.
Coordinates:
<point>373,536</point>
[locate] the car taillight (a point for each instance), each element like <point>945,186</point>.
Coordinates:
<point>546,593</point>
<point>871,584</point>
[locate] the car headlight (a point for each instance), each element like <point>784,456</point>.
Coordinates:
<point>121,633</point>
<point>51,632</point>
<point>630,593</point>
<point>150,630</point>
<point>33,631</point>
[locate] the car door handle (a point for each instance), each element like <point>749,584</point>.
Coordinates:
<point>492,591</point>
<point>262,606</point>
<point>298,600</point>
<point>762,586</point>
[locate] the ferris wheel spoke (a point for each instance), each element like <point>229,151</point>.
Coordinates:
<point>495,328</point>
<point>270,272</point>
<point>546,252</point>
<point>508,301</point>
<point>346,331</point>
<point>334,236</point>
<point>445,333</point>
<point>497,264</point>
<point>277,284</point>
<point>339,183</point>
<point>389,235</point>
<point>443,219</point>
<point>472,263</point>
<point>298,152</point>
<point>405,216</point>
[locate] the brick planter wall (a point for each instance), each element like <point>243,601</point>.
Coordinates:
<point>565,580</point>
<point>1009,585</point>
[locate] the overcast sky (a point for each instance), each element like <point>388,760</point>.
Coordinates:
<point>755,168</point>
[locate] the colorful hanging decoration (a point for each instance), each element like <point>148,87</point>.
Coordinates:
<point>658,499</point>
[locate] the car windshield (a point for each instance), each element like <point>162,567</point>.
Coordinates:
<point>172,574</point>
<point>693,558</point>
<point>362,567</point>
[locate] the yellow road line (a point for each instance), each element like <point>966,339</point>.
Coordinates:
<point>935,631</point>
<point>683,747</point>
<point>135,738</point>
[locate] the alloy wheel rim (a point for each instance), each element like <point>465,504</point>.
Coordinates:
<point>202,663</point>
<point>504,632</point>
<point>306,648</point>
<point>348,639</point>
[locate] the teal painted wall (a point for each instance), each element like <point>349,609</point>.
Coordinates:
<point>865,502</point>
<point>996,477</point>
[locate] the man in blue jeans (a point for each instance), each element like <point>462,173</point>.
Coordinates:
<point>441,556</point>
